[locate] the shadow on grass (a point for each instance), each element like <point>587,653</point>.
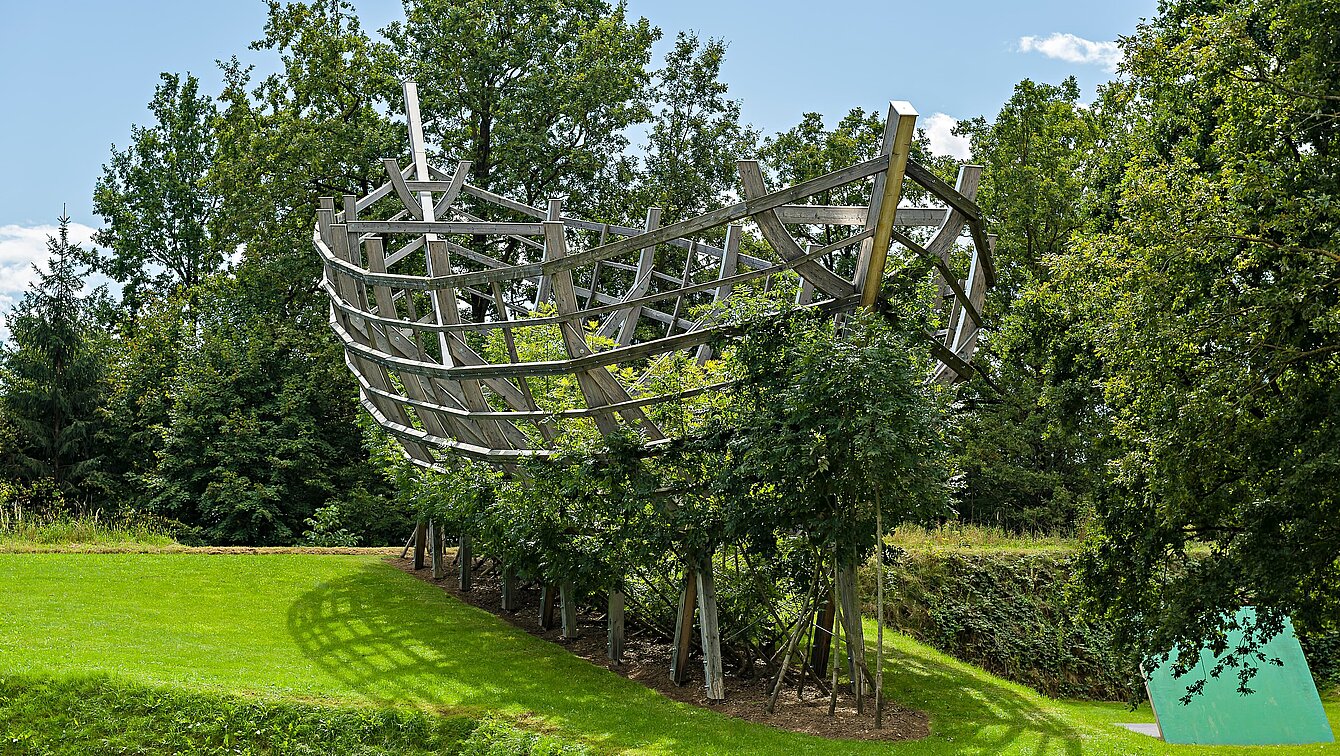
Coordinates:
<point>396,640</point>
<point>973,711</point>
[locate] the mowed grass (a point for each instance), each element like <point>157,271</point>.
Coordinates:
<point>350,630</point>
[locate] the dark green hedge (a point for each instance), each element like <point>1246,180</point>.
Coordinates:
<point>1011,614</point>
<point>98,714</point>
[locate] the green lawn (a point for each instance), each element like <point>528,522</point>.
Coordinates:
<point>349,629</point>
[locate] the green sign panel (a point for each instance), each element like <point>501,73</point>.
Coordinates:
<point>1283,709</point>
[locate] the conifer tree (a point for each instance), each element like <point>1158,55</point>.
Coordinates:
<point>52,378</point>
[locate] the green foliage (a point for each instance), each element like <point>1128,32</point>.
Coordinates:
<point>258,436</point>
<point>1033,447</point>
<point>1011,614</point>
<point>536,94</point>
<point>155,200</point>
<point>696,135</point>
<point>33,516</point>
<point>827,425</point>
<point>1214,307</point>
<point>42,715</point>
<point>53,380</point>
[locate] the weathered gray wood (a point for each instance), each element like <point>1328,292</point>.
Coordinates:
<point>445,227</point>
<point>665,234</point>
<point>435,537</point>
<point>548,601</point>
<point>730,260</point>
<point>508,589</point>
<point>851,628</point>
<point>855,215</point>
<point>942,191</point>
<point>614,639</point>
<point>465,555</point>
<point>624,322</point>
<point>711,633</point>
<point>823,635</point>
<point>568,610</point>
<point>825,280</point>
<point>598,387</point>
<point>546,281</point>
<point>402,190</point>
<point>462,404</point>
<point>683,640</point>
<point>420,543</point>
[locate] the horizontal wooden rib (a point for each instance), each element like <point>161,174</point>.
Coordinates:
<point>486,371</point>
<point>426,326</point>
<point>665,234</point>
<point>855,215</point>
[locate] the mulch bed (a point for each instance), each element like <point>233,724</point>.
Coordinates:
<point>647,661</point>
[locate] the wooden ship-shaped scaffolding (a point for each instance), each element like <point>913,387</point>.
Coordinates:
<point>408,345</point>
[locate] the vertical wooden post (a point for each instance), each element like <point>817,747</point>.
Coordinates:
<point>547,606</point>
<point>851,628</point>
<point>508,589</point>
<point>420,543</point>
<point>614,641</point>
<point>467,561</point>
<point>899,130</point>
<point>823,634</point>
<point>730,262</point>
<point>711,634</point>
<point>879,609</point>
<point>679,656</point>
<point>568,609</point>
<point>435,538</point>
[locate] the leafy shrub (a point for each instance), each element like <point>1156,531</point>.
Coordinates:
<point>1012,613</point>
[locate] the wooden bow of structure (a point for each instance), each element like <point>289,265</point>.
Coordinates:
<point>398,285</point>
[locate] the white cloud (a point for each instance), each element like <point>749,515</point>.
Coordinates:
<point>20,248</point>
<point>939,130</point>
<point>1073,49</point>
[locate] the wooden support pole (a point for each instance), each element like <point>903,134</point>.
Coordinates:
<point>711,633</point>
<point>679,656</point>
<point>467,561</point>
<point>508,589</point>
<point>547,603</point>
<point>435,538</point>
<point>420,543</point>
<point>568,609</point>
<point>823,635</point>
<point>879,609</point>
<point>855,634</point>
<point>614,640</point>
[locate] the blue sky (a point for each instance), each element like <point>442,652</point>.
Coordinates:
<point>76,74</point>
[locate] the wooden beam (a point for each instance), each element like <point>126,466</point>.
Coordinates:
<point>855,215</point>
<point>615,618</point>
<point>825,280</point>
<point>683,640</point>
<point>711,633</point>
<point>508,589</point>
<point>465,555</point>
<point>548,600</point>
<point>568,610</point>
<point>420,543</point>
<point>870,271</point>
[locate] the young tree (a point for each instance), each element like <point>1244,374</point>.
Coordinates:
<point>52,380</point>
<point>155,200</point>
